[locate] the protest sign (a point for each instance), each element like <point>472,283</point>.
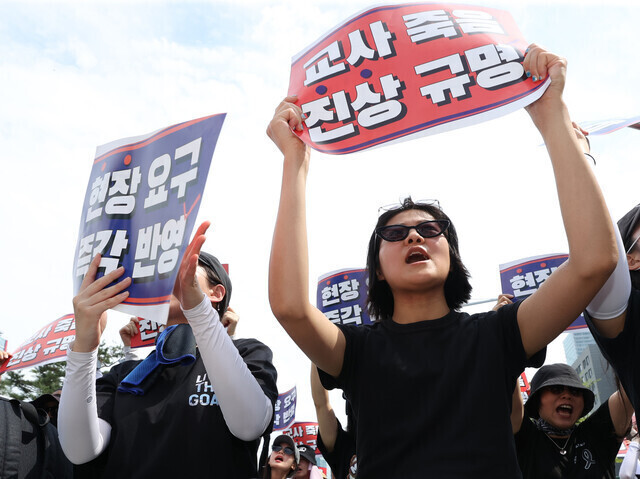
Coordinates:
<point>604,127</point>
<point>525,387</point>
<point>304,433</point>
<point>399,71</point>
<point>285,409</point>
<point>147,333</point>
<point>342,296</point>
<point>523,277</point>
<point>47,345</point>
<point>140,208</point>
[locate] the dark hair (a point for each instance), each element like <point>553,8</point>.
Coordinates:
<point>457,288</point>
<point>216,274</point>
<point>627,224</point>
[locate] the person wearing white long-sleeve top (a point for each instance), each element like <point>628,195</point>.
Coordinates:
<point>200,418</point>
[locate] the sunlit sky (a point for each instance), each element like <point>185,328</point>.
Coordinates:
<point>74,75</point>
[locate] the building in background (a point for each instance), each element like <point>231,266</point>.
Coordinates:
<point>575,342</point>
<point>595,373</point>
<point>3,343</point>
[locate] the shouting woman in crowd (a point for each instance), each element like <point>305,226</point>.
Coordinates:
<point>426,376</point>
<point>549,442</point>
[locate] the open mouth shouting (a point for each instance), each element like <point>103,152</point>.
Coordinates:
<point>416,254</point>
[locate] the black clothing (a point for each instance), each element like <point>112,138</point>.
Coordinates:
<point>343,450</point>
<point>622,351</point>
<point>418,389</point>
<point>590,451</point>
<point>176,429</point>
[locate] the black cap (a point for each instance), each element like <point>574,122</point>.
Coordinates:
<point>557,375</point>
<point>308,453</point>
<point>214,268</point>
<point>41,401</point>
<point>289,440</point>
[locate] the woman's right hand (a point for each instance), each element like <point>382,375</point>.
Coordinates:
<point>287,117</point>
<point>92,302</point>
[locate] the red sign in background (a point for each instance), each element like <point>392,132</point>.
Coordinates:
<point>48,345</point>
<point>400,70</point>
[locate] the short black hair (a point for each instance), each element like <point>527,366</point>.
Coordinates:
<point>627,224</point>
<point>216,274</point>
<point>457,288</point>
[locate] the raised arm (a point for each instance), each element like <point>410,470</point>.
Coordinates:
<point>621,411</point>
<point>327,421</point>
<point>83,436</point>
<point>245,407</point>
<point>517,408</point>
<point>318,337</point>
<point>592,247</point>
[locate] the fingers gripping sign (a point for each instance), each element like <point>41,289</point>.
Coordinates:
<point>128,331</point>
<point>91,303</point>
<point>186,288</point>
<point>287,118</point>
<point>538,64</point>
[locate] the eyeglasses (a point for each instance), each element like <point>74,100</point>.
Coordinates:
<point>426,229</point>
<point>558,389</point>
<point>287,450</point>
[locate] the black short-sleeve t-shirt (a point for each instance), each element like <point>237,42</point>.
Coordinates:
<point>422,391</point>
<point>622,351</point>
<point>176,429</point>
<point>590,451</point>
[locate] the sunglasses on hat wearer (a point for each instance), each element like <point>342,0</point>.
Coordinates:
<point>287,450</point>
<point>426,229</point>
<point>559,389</point>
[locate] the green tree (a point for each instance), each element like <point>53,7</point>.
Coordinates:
<point>48,378</point>
<point>14,384</point>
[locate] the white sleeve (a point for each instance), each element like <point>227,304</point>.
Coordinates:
<point>611,301</point>
<point>245,407</point>
<point>628,467</point>
<point>83,436</point>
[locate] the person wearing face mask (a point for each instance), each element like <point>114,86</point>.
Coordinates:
<point>549,442</point>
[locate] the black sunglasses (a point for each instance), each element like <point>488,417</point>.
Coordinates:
<point>287,450</point>
<point>426,229</point>
<point>559,389</point>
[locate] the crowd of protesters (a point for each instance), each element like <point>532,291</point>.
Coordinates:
<point>201,404</point>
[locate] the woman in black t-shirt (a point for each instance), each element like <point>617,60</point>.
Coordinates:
<point>549,442</point>
<point>417,281</point>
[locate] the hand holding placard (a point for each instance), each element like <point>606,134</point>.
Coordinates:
<point>91,303</point>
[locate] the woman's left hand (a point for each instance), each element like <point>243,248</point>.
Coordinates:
<point>186,288</point>
<point>538,64</point>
